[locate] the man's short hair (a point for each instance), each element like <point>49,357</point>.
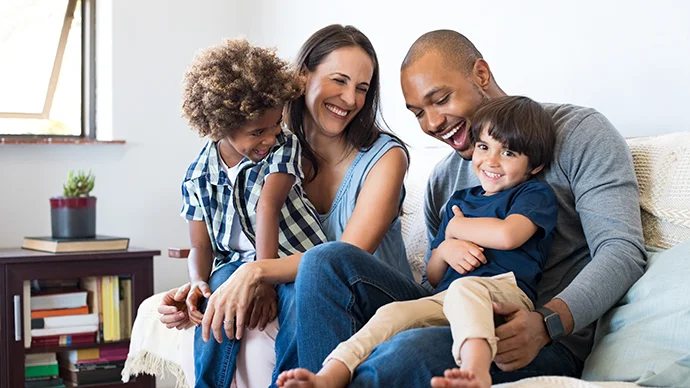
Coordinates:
<point>520,124</point>
<point>457,50</point>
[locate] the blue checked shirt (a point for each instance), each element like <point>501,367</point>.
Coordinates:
<point>209,196</point>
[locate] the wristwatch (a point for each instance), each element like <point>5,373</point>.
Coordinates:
<point>553,323</point>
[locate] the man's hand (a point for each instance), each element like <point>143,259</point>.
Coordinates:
<point>173,308</point>
<point>463,256</point>
<point>520,338</point>
<point>264,307</point>
<point>198,290</point>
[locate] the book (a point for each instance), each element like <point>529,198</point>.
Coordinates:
<point>126,307</point>
<point>44,382</point>
<point>64,330</point>
<point>61,245</point>
<point>64,321</point>
<point>81,355</point>
<point>93,285</point>
<point>58,312</point>
<point>40,359</point>
<point>26,313</point>
<point>65,300</point>
<point>61,340</point>
<point>41,370</point>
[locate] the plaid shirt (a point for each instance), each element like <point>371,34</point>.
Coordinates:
<point>209,195</point>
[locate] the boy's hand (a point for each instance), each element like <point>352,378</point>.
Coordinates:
<point>463,256</point>
<point>199,289</point>
<point>455,223</point>
<point>264,307</point>
<point>173,308</point>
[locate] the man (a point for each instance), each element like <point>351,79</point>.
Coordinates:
<point>597,251</point>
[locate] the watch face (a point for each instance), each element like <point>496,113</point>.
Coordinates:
<point>554,326</point>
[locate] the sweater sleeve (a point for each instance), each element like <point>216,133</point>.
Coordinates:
<point>598,164</point>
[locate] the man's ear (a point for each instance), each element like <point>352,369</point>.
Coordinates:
<point>482,73</point>
<point>536,170</point>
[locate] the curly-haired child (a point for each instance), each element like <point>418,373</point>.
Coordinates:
<point>234,93</point>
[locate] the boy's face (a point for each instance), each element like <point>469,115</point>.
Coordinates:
<point>443,100</point>
<point>497,167</point>
<point>255,139</point>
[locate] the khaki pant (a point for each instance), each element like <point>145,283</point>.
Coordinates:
<point>465,306</point>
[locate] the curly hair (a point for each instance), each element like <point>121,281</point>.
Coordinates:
<point>230,84</point>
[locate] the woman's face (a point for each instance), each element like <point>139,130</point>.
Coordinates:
<point>336,90</point>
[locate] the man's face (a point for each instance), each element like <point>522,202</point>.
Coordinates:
<point>443,100</point>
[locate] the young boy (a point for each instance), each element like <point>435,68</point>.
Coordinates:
<point>234,94</point>
<point>491,247</point>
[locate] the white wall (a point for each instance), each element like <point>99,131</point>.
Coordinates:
<point>137,184</point>
<point>631,61</point>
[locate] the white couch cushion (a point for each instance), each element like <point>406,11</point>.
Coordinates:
<point>662,166</point>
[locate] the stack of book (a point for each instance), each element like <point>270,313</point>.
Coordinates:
<point>99,310</point>
<point>92,366</point>
<point>61,319</point>
<point>41,371</point>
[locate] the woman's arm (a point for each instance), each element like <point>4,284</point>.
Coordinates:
<point>377,206</point>
<point>436,268</point>
<point>378,203</point>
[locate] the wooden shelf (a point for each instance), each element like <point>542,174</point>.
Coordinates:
<point>18,266</point>
<point>132,382</point>
<point>64,348</point>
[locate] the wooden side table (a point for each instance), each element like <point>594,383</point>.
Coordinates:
<point>18,265</point>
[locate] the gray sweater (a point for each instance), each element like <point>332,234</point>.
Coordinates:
<point>598,248</point>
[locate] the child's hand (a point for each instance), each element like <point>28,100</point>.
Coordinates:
<point>173,308</point>
<point>463,256</point>
<point>198,290</point>
<point>264,307</point>
<point>455,223</point>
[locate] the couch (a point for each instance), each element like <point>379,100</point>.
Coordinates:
<point>644,339</point>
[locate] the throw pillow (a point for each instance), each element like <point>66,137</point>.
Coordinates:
<point>646,337</point>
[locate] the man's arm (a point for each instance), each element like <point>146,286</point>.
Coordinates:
<point>599,166</point>
<point>274,192</point>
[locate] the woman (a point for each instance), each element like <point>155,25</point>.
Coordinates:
<point>354,179</point>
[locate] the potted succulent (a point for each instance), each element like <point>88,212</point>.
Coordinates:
<point>73,215</point>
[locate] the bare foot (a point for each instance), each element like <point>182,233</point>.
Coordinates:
<point>301,378</point>
<point>458,378</point>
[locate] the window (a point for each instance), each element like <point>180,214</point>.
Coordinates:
<point>46,68</point>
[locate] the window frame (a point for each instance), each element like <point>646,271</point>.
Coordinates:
<point>88,77</point>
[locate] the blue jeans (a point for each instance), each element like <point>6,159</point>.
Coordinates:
<point>339,287</point>
<point>214,363</point>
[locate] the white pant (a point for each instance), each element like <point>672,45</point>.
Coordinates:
<point>256,359</point>
<point>465,306</point>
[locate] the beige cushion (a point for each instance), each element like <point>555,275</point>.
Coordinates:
<point>662,165</point>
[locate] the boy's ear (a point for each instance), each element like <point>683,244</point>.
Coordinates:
<point>536,170</point>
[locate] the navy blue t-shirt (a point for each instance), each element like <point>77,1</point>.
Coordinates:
<point>533,199</point>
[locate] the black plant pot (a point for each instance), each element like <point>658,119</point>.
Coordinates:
<point>73,217</point>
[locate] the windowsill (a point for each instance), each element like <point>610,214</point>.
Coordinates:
<point>55,140</point>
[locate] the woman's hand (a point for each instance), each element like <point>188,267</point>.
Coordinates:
<point>264,307</point>
<point>228,306</point>
<point>198,289</point>
<point>173,308</point>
